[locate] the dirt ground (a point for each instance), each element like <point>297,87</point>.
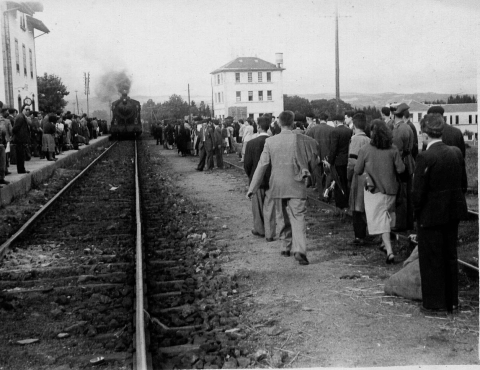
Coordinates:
<point>333,312</point>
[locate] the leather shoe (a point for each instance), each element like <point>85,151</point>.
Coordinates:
<point>3,182</point>
<point>7,173</point>
<point>257,234</point>
<point>434,311</point>
<point>24,172</point>
<point>301,258</point>
<point>198,169</point>
<point>285,253</point>
<point>269,240</point>
<point>356,241</point>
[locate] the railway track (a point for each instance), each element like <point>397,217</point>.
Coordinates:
<point>111,271</point>
<point>68,276</point>
<point>400,236</point>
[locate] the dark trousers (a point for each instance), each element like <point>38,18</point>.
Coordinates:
<point>437,252</point>
<point>206,156</point>
<point>3,162</point>
<point>404,208</point>
<point>19,151</point>
<point>341,199</point>
<point>359,224</point>
<point>219,155</point>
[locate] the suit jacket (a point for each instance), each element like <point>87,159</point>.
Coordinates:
<point>322,133</point>
<point>415,139</point>
<point>21,130</point>
<point>218,137</point>
<point>208,144</point>
<point>439,184</point>
<point>253,152</point>
<point>279,151</point>
<point>340,140</point>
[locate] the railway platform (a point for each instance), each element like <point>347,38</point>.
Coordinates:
<point>41,169</point>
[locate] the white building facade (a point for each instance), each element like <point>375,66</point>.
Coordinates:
<point>248,87</point>
<point>19,77</point>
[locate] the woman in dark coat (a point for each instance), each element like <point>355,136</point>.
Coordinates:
<point>48,140</point>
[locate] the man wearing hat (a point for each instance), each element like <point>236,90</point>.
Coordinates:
<point>452,136</point>
<point>439,187</point>
<point>338,157</point>
<point>403,139</point>
<point>406,116</point>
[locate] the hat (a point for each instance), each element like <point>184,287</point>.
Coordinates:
<point>338,117</point>
<point>433,124</point>
<point>299,117</point>
<point>401,108</point>
<point>436,109</point>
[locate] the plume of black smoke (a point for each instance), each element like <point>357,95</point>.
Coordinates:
<point>111,86</point>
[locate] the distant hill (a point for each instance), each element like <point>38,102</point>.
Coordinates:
<point>378,100</point>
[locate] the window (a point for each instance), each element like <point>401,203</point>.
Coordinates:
<point>239,96</point>
<point>218,79</point>
<point>269,76</point>
<point>22,22</point>
<point>259,76</point>
<point>456,120</point>
<point>250,115</point>
<point>269,94</point>
<point>219,98</point>
<point>249,76</point>
<point>260,95</point>
<point>17,56</point>
<point>24,60</point>
<point>250,96</point>
<point>470,119</point>
<point>419,117</point>
<point>237,78</point>
<point>476,118</point>
<point>451,119</point>
<point>31,62</point>
<point>215,98</point>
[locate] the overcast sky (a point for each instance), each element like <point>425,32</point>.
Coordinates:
<point>385,46</point>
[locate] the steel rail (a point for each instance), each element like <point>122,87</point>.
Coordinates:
<point>7,244</point>
<point>140,343</point>
<point>398,235</point>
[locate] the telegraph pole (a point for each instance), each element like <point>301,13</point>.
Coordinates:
<point>189,106</point>
<point>87,87</point>
<point>78,107</point>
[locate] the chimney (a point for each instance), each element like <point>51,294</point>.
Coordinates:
<point>279,60</point>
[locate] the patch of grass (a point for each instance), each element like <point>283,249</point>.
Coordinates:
<point>471,164</point>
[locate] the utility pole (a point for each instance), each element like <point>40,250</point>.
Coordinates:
<point>87,87</point>
<point>189,106</point>
<point>337,58</point>
<point>213,107</point>
<point>78,107</point>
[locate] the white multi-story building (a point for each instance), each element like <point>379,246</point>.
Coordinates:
<point>248,87</point>
<point>19,77</point>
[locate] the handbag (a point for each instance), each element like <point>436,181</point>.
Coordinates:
<point>369,183</point>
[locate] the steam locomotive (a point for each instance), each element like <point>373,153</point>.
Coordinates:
<point>126,121</point>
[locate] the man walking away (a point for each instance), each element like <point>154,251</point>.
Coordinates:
<point>285,152</point>
<point>439,186</point>
<point>205,147</point>
<point>338,158</point>
<point>218,137</point>
<point>262,202</point>
<point>22,138</point>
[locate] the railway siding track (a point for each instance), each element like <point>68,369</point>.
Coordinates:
<point>68,282</point>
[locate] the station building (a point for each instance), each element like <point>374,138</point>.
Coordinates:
<point>18,30</point>
<point>248,87</point>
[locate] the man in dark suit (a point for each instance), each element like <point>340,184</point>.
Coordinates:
<point>21,131</point>
<point>322,134</point>
<point>439,186</point>
<point>205,146</point>
<point>218,139</point>
<point>406,116</point>
<point>452,136</point>
<point>262,202</point>
<point>338,157</point>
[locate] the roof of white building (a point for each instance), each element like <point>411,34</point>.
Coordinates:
<point>454,108</point>
<point>248,64</point>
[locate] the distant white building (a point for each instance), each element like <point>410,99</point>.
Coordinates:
<point>19,77</point>
<point>248,87</point>
<point>462,116</point>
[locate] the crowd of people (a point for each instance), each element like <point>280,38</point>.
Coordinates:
<point>375,170</point>
<point>42,134</point>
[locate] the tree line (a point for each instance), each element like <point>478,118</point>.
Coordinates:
<point>458,99</point>
<point>174,108</point>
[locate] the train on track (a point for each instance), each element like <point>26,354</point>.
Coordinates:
<point>126,122</point>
